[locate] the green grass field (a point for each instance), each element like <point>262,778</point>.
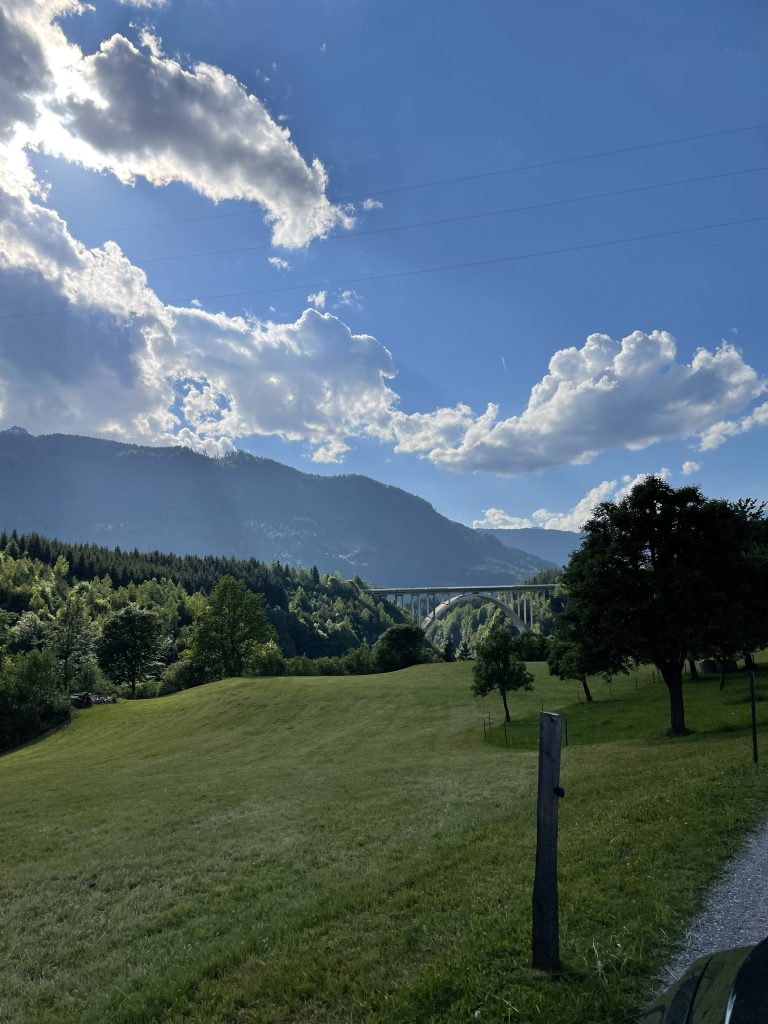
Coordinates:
<point>353,850</point>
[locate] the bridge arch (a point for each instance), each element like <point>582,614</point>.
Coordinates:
<point>443,609</point>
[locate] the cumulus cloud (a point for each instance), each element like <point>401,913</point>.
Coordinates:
<point>24,74</point>
<point>628,393</point>
<point>136,112</point>
<point>143,3</point>
<point>113,360</point>
<point>116,360</point>
<point>372,204</point>
<point>688,468</point>
<point>719,432</point>
<point>575,517</point>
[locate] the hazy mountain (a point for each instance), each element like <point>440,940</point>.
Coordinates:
<point>173,499</point>
<point>554,545</point>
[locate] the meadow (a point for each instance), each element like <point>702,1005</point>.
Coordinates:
<point>353,849</point>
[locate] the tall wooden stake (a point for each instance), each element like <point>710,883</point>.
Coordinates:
<point>754,715</point>
<point>546,926</point>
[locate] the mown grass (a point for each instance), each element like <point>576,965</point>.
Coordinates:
<point>354,850</point>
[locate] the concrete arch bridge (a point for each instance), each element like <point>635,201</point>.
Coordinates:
<point>428,604</point>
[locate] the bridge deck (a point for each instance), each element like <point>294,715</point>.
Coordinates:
<point>492,588</point>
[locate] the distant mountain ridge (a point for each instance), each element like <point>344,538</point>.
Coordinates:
<point>554,545</point>
<point>173,499</point>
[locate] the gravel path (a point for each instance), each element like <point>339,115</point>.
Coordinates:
<point>736,912</point>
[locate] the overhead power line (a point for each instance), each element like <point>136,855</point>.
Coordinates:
<point>418,271</point>
<point>458,218</point>
<point>476,176</point>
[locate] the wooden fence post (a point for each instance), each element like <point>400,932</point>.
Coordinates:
<point>754,715</point>
<point>546,925</point>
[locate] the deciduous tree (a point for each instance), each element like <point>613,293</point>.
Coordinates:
<point>71,639</point>
<point>230,628</point>
<point>130,645</point>
<point>661,573</point>
<point>498,667</point>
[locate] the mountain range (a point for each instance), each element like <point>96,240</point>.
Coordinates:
<point>83,489</point>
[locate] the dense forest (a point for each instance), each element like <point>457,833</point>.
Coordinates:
<point>313,615</point>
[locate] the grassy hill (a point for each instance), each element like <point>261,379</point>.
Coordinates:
<point>352,849</point>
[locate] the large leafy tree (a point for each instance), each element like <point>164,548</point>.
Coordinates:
<point>229,631</point>
<point>71,638</point>
<point>499,667</point>
<point>129,647</point>
<point>662,573</point>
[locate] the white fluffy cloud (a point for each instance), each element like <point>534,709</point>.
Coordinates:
<point>688,468</point>
<point>116,360</point>
<point>135,112</point>
<point>628,393</point>
<point>719,432</point>
<point>119,362</point>
<point>574,518</point>
<point>278,263</point>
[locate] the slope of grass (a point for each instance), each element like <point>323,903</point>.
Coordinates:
<point>354,850</point>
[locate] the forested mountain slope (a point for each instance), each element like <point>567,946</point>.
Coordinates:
<point>172,499</point>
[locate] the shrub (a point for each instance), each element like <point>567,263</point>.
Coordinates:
<point>181,675</point>
<point>399,647</point>
<point>265,660</point>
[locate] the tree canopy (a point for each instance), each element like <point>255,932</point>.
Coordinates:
<point>130,645</point>
<point>229,631</point>
<point>499,667</point>
<point>399,647</point>
<point>662,574</point>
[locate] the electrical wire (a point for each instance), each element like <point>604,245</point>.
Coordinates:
<point>418,271</point>
<point>439,221</point>
<point>477,176</point>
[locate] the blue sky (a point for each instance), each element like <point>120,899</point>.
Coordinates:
<point>134,141</point>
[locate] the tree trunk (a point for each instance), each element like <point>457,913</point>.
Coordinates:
<point>587,692</point>
<point>506,709</point>
<point>749,662</point>
<point>722,671</point>
<point>672,674</point>
<point>694,670</point>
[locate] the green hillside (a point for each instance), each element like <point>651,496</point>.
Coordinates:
<point>352,849</point>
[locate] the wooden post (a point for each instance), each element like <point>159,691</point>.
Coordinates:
<point>754,716</point>
<point>546,928</point>
<point>485,733</point>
